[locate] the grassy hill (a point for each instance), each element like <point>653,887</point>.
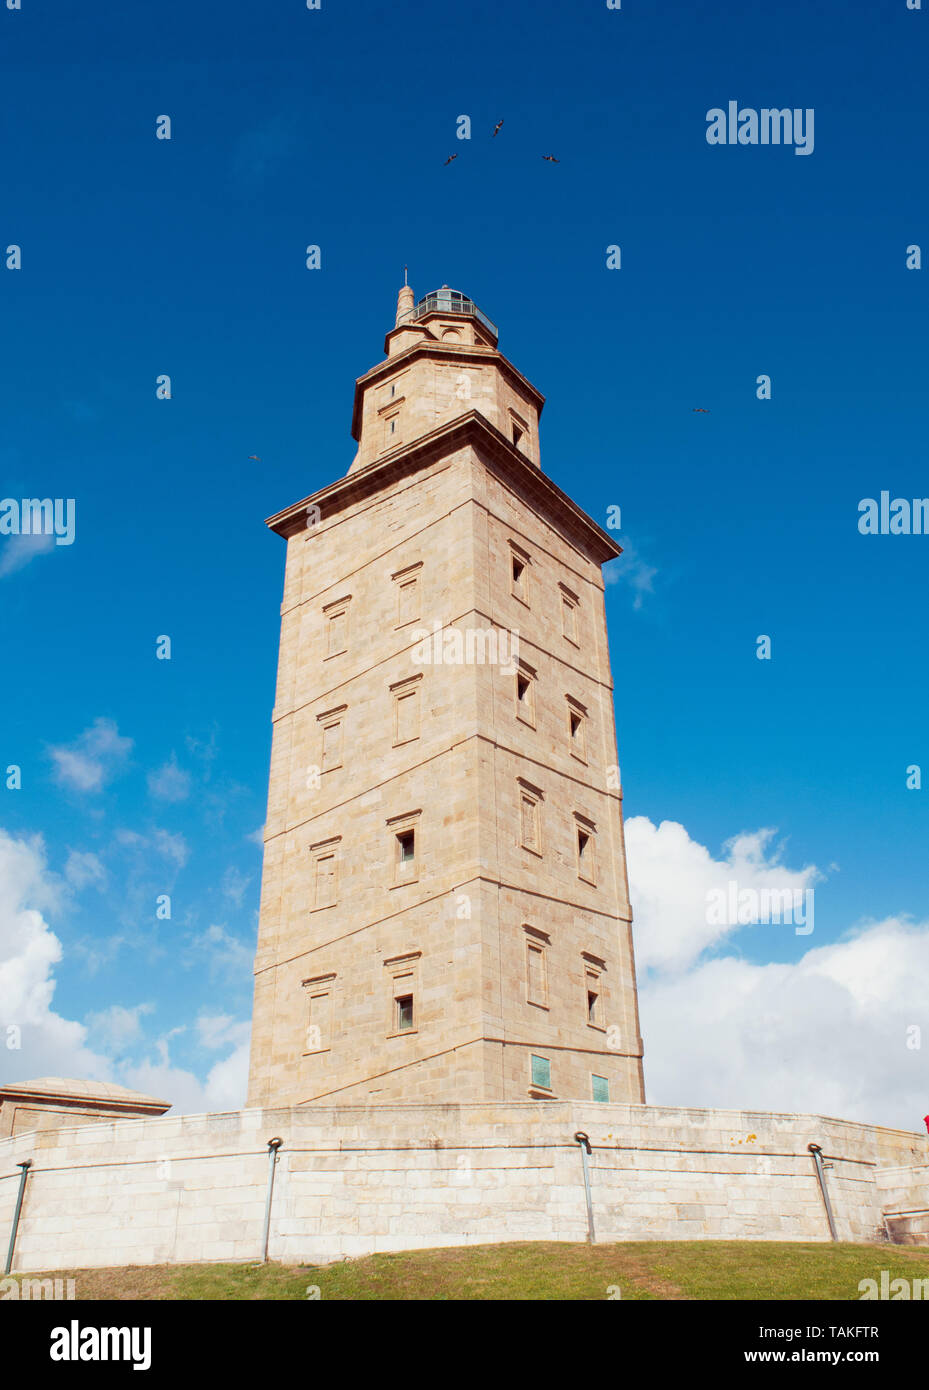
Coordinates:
<point>546,1271</point>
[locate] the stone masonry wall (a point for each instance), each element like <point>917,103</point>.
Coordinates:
<point>353,1180</point>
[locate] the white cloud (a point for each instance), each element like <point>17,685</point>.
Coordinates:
<point>234,884</point>
<point>224,1088</point>
<point>170,782</point>
<point>826,1033</point>
<point>673,876</point>
<point>56,1046</point>
<point>18,551</point>
<point>226,953</point>
<point>172,847</point>
<point>118,1026</point>
<point>94,758</point>
<point>29,951</point>
<point>629,568</point>
<point>221,1029</point>
<point>82,869</point>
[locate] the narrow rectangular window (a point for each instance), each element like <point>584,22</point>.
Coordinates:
<point>536,984</point>
<point>331,725</point>
<point>404,1020</point>
<point>336,617</point>
<point>406,710</point>
<point>541,1072</point>
<point>403,996</point>
<point>569,607</point>
<point>519,573</point>
<point>600,1088</point>
<point>593,1002</point>
<point>408,593</point>
<point>525,693</point>
<point>392,430</point>
<point>584,830</point>
<point>325,880</point>
<point>593,990</point>
<point>577,729</point>
<point>406,847</point>
<point>529,823</point>
<point>318,1013</point>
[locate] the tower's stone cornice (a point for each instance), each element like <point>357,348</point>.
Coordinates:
<point>497,452</point>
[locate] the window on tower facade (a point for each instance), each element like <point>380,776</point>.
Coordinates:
<point>405,835</point>
<point>519,573</point>
<point>519,429</point>
<point>406,710</point>
<point>530,829</point>
<point>540,1073</point>
<point>577,728</point>
<point>537,943</point>
<point>406,582</point>
<point>599,1088</point>
<point>585,832</point>
<point>525,692</point>
<point>569,607</point>
<point>594,969</point>
<point>331,726</point>
<point>325,860</point>
<point>335,618</point>
<point>403,993</point>
<point>318,991</point>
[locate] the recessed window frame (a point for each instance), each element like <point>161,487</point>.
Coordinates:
<point>520,583</point>
<point>525,679</point>
<point>601,1099</point>
<point>319,987</point>
<point>577,740</point>
<point>403,986</point>
<point>332,612</point>
<point>404,692</point>
<point>405,871</point>
<point>540,1067</point>
<point>322,852</point>
<point>408,594</point>
<point>537,945</point>
<point>585,848</point>
<point>530,798</point>
<point>519,432</point>
<point>331,719</point>
<point>570,611</point>
<point>594,971</point>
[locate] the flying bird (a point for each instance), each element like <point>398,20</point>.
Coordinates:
<point>700,410</point>
<point>497,127</point>
<point>450,158</point>
<point>253,458</point>
<point>551,158</point>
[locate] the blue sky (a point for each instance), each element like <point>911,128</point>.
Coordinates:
<point>186,257</point>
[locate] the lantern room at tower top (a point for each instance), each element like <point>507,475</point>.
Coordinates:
<point>441,362</point>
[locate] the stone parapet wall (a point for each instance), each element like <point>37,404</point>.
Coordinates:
<point>352,1180</point>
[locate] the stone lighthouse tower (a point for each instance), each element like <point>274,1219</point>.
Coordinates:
<point>444,909</point>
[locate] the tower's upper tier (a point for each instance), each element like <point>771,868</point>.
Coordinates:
<point>442,362</point>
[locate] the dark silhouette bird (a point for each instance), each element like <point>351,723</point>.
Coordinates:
<point>450,158</point>
<point>700,410</point>
<point>253,458</point>
<point>551,158</point>
<point>497,127</point>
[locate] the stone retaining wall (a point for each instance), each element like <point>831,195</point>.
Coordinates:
<point>352,1180</point>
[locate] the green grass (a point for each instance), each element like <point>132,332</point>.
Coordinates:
<point>543,1271</point>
